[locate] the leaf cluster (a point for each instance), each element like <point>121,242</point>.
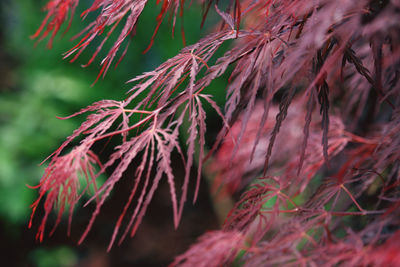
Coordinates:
<point>308,135</point>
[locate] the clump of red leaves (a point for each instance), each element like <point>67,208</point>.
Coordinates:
<point>309,133</point>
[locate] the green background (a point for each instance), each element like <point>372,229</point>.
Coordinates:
<point>36,86</point>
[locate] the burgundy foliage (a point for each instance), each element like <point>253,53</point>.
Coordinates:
<point>309,132</point>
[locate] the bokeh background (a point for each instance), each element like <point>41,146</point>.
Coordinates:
<point>36,85</point>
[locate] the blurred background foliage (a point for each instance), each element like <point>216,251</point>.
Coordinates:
<point>36,85</point>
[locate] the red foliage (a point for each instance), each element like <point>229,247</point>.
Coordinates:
<point>213,249</point>
<point>62,185</point>
<point>309,133</point>
<point>57,14</point>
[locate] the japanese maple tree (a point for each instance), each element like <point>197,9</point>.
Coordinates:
<point>309,133</point>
